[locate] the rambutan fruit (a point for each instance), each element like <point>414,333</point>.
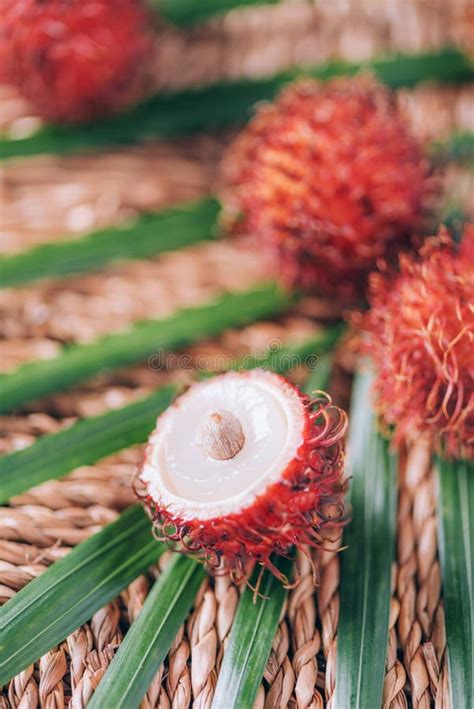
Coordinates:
<point>75,59</point>
<point>419,333</point>
<point>328,179</point>
<point>242,466</point>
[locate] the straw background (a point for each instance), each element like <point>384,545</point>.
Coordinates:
<point>52,197</point>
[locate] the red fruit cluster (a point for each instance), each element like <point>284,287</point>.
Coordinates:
<point>74,59</point>
<point>330,180</point>
<point>292,512</point>
<point>420,334</point>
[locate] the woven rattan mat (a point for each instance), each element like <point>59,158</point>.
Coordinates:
<point>60,197</point>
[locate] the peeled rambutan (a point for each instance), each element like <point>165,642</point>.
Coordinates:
<point>75,59</point>
<point>329,180</point>
<point>419,333</point>
<point>242,466</point>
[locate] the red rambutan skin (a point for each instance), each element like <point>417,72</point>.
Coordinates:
<point>291,512</point>
<point>419,333</point>
<point>330,180</point>
<point>75,59</point>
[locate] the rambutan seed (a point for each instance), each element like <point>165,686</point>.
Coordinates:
<point>222,436</point>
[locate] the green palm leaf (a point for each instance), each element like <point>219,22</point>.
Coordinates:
<point>228,103</point>
<point>84,443</point>
<point>458,148</point>
<point>362,633</point>
<point>146,644</point>
<point>318,379</point>
<point>250,641</point>
<point>71,590</point>
<point>456,547</point>
<point>310,354</point>
<point>148,235</point>
<point>189,12</point>
<point>78,362</point>
<point>91,439</point>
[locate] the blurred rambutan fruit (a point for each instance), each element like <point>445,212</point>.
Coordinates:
<point>242,466</point>
<point>329,180</point>
<point>419,333</point>
<point>75,59</point>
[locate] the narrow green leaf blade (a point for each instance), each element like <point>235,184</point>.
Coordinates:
<point>319,377</point>
<point>71,590</point>
<point>458,148</point>
<point>146,644</point>
<point>307,354</point>
<point>250,641</point>
<point>76,363</point>
<point>84,443</point>
<point>362,634</point>
<point>225,104</point>
<point>91,439</point>
<point>148,235</point>
<point>456,546</point>
<point>189,12</point>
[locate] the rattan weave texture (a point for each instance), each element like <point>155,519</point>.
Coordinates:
<point>52,197</point>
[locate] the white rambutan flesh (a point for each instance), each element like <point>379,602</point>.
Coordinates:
<point>244,465</point>
<point>222,442</point>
